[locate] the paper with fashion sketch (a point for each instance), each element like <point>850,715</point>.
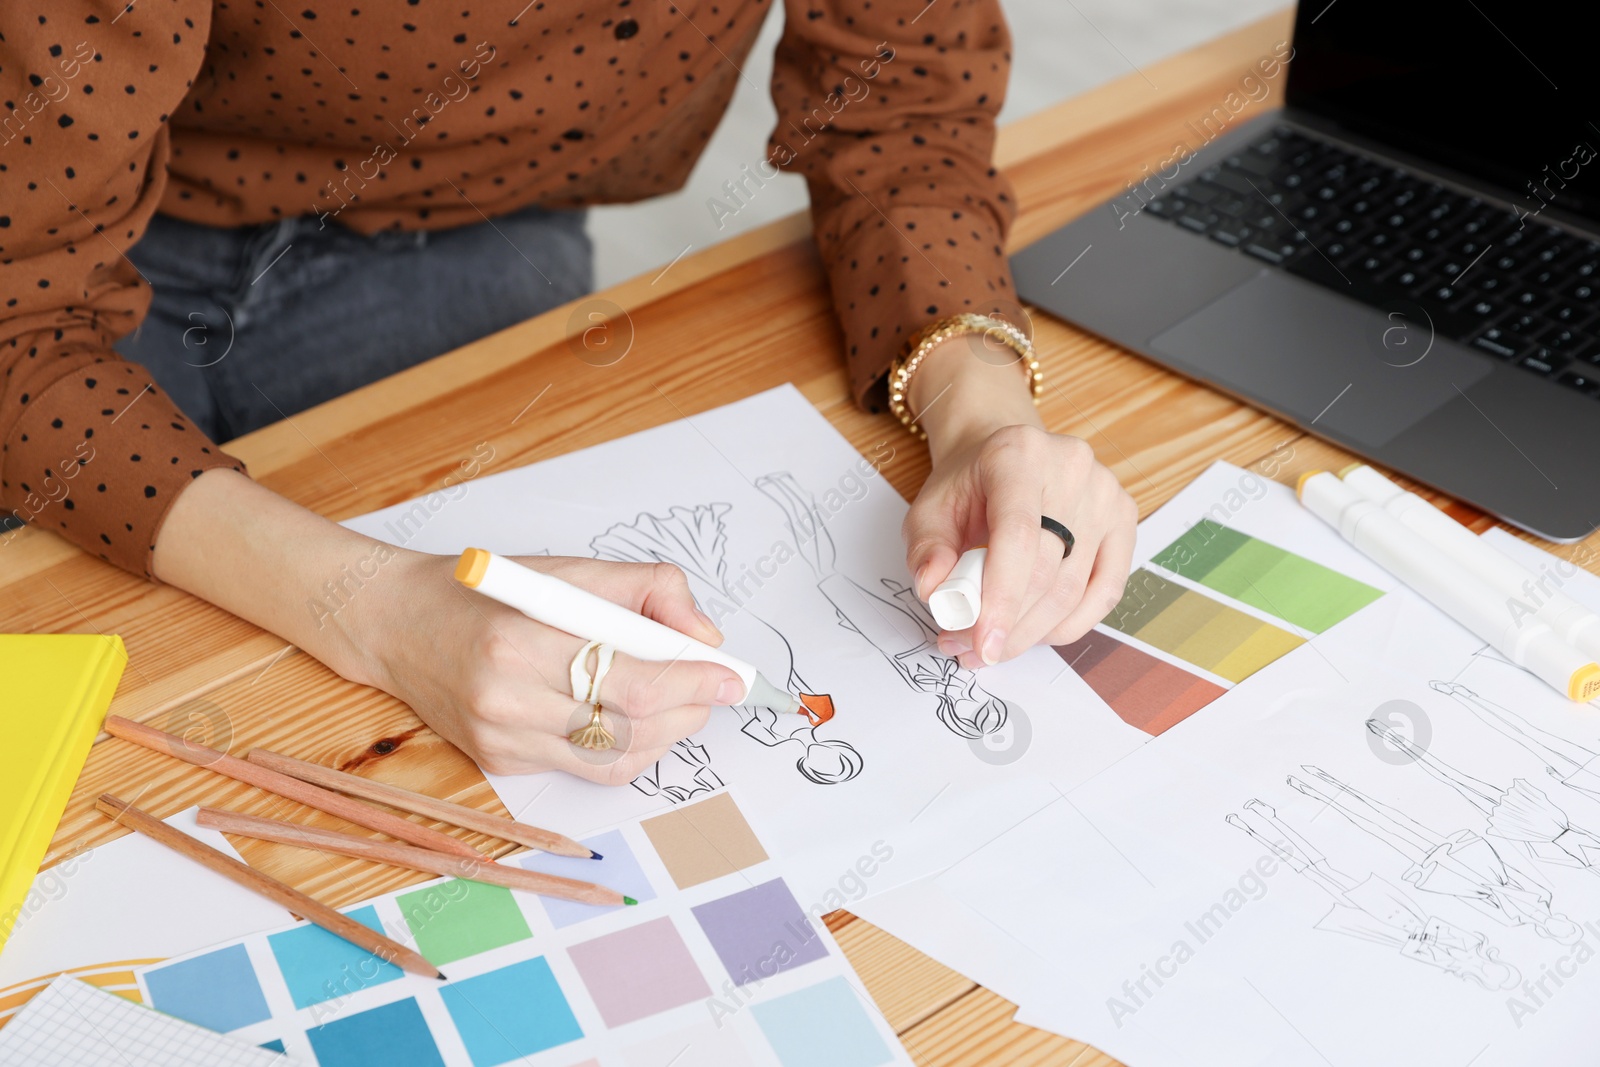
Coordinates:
<point>1231,531</point>
<point>791,542</point>
<point>1382,848</point>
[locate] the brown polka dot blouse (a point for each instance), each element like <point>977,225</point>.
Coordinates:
<point>419,114</point>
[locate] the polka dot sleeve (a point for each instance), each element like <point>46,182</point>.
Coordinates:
<point>89,448</point>
<point>888,110</point>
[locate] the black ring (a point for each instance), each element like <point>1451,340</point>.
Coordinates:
<point>1060,531</point>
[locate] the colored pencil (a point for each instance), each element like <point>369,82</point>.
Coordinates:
<point>308,908</point>
<point>422,804</point>
<point>418,859</point>
<point>356,811</point>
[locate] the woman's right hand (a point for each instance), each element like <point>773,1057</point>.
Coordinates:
<point>497,684</point>
<point>485,676</point>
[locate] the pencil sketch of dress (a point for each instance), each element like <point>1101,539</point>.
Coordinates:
<point>897,625</point>
<point>681,775</point>
<point>1564,760</point>
<point>695,539</point>
<point>1464,865</point>
<point>1373,909</point>
<point>1522,813</point>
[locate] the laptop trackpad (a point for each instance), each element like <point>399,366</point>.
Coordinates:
<point>1293,347</point>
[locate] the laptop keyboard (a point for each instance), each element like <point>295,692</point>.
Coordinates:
<point>1523,292</point>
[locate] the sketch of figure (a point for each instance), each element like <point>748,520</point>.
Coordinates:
<point>695,539</point>
<point>1565,760</point>
<point>681,775</point>
<point>1522,813</point>
<point>898,625</point>
<point>1373,909</point>
<point>1463,865</point>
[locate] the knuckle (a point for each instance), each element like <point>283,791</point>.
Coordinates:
<point>1076,451</point>
<point>669,578</point>
<point>1069,587</point>
<point>640,697</point>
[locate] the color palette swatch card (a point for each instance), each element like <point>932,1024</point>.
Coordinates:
<point>719,963</point>
<point>1217,598</point>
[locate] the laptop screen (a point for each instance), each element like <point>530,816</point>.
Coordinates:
<point>1500,90</point>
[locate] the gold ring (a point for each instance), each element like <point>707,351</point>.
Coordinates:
<point>593,736</point>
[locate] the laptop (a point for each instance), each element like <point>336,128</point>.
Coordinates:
<point>1403,259</point>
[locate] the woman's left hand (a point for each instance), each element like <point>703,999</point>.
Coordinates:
<point>996,472</point>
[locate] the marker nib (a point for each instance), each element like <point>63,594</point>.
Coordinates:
<point>629,901</point>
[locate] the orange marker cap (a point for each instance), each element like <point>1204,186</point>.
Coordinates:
<point>471,567</point>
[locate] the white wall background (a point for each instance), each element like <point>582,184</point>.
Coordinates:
<point>1060,49</point>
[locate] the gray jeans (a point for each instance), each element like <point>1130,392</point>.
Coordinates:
<point>253,324</point>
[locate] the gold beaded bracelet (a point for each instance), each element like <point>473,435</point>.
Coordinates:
<point>935,334</point>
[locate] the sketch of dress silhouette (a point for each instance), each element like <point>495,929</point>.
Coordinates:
<point>1564,760</point>
<point>1464,865</point>
<point>1373,909</point>
<point>1522,813</point>
<point>695,539</point>
<point>897,625</point>
<point>681,775</point>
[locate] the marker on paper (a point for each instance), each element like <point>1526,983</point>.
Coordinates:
<point>1530,644</point>
<point>594,618</point>
<point>1572,622</point>
<point>958,600</point>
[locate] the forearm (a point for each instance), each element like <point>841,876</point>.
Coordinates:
<point>967,388</point>
<point>266,559</point>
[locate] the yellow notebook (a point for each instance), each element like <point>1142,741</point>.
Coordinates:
<point>54,691</point>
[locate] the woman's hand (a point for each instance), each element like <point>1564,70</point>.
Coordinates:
<point>996,471</point>
<point>485,676</point>
<point>498,685</point>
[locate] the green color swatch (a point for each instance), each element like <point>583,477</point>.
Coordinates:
<point>1265,576</point>
<point>454,920</point>
<point>1197,629</point>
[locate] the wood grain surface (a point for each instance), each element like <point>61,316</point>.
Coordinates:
<point>738,318</point>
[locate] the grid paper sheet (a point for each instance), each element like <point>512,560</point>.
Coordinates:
<point>73,1024</point>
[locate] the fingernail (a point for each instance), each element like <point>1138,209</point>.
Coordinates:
<point>920,581</point>
<point>703,617</point>
<point>993,646</point>
<point>729,691</point>
<point>951,647</point>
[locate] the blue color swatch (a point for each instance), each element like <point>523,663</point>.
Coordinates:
<point>510,1013</point>
<point>218,991</point>
<point>395,1035</point>
<point>619,870</point>
<point>822,1026</point>
<point>275,1045</point>
<point>320,966</point>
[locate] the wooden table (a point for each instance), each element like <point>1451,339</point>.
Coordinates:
<point>715,326</point>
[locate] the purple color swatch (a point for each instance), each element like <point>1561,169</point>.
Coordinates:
<point>760,931</point>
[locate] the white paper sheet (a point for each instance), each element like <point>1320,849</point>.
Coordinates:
<point>1436,903</point>
<point>127,902</point>
<point>932,760</point>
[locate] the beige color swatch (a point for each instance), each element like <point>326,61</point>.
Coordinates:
<point>704,841</point>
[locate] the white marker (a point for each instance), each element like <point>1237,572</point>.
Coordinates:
<point>1531,645</point>
<point>956,603</point>
<point>594,618</point>
<point>1572,622</point>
